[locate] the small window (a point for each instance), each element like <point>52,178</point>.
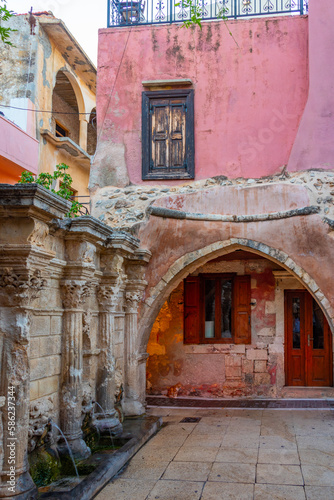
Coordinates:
<point>217,309</point>
<point>168,134</point>
<point>61,131</point>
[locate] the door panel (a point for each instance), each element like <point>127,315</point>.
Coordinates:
<point>307,342</point>
<point>318,346</point>
<point>295,345</point>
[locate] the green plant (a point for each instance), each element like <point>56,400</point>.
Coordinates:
<point>48,180</point>
<point>5,15</point>
<point>196,8</point>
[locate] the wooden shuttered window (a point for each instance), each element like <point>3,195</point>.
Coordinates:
<point>168,135</point>
<point>242,310</point>
<point>196,327</point>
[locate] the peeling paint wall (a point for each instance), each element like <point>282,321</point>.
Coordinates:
<point>249,97</point>
<point>220,370</point>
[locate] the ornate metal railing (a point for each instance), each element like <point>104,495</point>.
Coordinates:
<point>130,12</point>
<point>84,202</point>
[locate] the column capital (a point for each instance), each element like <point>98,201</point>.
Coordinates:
<point>107,295</point>
<point>19,288</point>
<point>74,293</point>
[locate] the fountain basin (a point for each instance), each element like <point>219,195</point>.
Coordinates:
<point>136,432</point>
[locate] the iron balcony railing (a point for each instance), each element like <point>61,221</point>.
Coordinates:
<point>138,12</point>
<point>85,204</point>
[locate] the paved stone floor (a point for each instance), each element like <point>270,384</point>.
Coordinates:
<point>232,454</point>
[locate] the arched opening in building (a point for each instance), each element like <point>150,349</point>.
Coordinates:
<point>65,118</point>
<point>91,133</point>
<point>239,324</point>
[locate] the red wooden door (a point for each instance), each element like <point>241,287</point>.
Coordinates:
<point>308,357</point>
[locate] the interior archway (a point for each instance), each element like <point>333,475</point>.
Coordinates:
<point>66,108</point>
<point>170,287</point>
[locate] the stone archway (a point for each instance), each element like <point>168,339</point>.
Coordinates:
<point>186,265</point>
<point>67,103</point>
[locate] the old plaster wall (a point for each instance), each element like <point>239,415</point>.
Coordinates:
<point>223,370</point>
<point>249,97</point>
<point>313,147</point>
<point>29,70</point>
<point>52,60</point>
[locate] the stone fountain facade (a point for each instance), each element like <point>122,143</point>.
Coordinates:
<point>69,290</point>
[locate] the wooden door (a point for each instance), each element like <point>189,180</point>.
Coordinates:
<point>308,358</point>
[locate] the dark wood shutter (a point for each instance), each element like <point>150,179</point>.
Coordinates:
<point>168,134</point>
<point>177,134</point>
<point>160,135</point>
<point>192,310</point>
<point>242,310</point>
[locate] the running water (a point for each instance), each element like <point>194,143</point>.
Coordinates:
<point>68,447</point>
<point>105,416</point>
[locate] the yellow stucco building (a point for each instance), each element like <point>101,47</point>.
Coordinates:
<point>47,88</point>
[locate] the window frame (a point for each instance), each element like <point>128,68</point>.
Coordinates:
<point>58,124</point>
<point>220,277</point>
<point>147,96</point>
<point>194,309</point>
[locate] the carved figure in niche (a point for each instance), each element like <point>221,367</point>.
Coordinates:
<point>39,234</point>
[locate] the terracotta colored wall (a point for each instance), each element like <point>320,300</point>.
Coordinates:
<point>248,98</point>
<point>307,242</point>
<point>217,369</point>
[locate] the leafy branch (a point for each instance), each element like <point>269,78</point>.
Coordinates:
<point>5,15</point>
<point>47,180</point>
<point>196,12</point>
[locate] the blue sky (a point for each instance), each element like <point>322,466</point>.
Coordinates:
<point>82,17</point>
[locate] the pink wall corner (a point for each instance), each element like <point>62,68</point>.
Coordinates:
<point>248,98</point>
<point>17,147</point>
<point>314,145</point>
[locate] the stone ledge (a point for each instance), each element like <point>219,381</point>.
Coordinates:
<point>22,200</point>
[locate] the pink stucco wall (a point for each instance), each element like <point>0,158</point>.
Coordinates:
<point>18,150</point>
<point>248,98</point>
<point>314,145</point>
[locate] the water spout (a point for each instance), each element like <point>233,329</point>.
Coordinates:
<point>105,416</point>
<point>68,447</point>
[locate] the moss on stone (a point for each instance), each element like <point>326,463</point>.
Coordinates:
<point>44,467</point>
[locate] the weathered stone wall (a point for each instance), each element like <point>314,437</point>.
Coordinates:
<point>220,370</point>
<point>18,67</point>
<point>69,295</point>
<point>123,207</point>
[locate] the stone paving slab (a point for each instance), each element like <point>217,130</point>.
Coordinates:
<point>233,454</point>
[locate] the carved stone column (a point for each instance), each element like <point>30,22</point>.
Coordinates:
<point>134,362</point>
<point>74,293</point>
<point>108,419</point>
<point>17,291</point>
